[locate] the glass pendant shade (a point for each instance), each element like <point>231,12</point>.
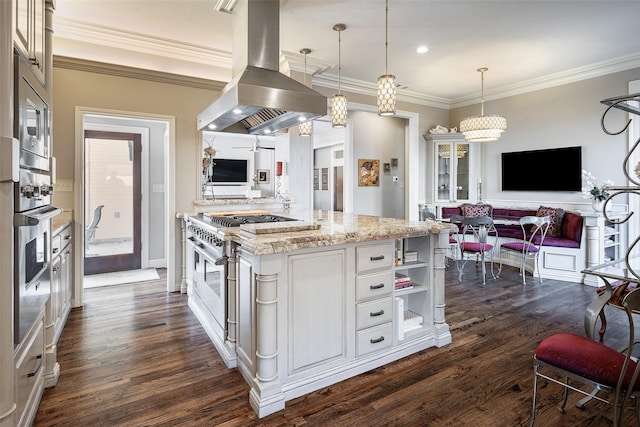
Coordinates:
<point>483,128</point>
<point>338,111</point>
<point>387,95</point>
<point>306,128</point>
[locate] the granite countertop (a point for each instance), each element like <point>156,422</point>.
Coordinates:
<point>60,221</point>
<point>329,228</point>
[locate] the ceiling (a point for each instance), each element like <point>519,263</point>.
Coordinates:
<point>526,45</point>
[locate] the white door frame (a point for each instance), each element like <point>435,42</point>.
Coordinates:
<point>79,223</point>
<point>634,133</point>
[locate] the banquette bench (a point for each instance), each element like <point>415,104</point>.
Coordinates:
<point>563,255</point>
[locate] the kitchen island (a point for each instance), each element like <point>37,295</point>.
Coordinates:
<point>315,301</point>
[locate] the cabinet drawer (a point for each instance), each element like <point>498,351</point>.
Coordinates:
<point>56,245</point>
<point>374,257</point>
<point>374,312</point>
<point>29,367</point>
<point>375,285</point>
<point>374,339</point>
<point>65,237</point>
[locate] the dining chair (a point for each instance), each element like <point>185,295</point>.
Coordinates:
<point>534,230</point>
<point>587,361</point>
<point>476,241</point>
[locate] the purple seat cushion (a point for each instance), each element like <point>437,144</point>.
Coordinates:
<point>447,212</point>
<point>558,242</point>
<point>520,246</point>
<point>513,231</point>
<point>585,357</point>
<point>475,247</point>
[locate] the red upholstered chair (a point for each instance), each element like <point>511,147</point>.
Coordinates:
<point>476,241</point>
<point>534,230</point>
<point>590,362</point>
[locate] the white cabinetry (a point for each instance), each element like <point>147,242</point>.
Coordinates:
<point>29,378</point>
<point>29,34</point>
<point>374,297</point>
<point>453,169</point>
<point>414,311</point>
<point>606,240</point>
<point>316,316</point>
<point>59,304</point>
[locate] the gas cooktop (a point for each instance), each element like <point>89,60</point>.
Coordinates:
<point>237,220</point>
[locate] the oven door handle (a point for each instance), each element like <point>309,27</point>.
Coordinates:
<point>35,216</point>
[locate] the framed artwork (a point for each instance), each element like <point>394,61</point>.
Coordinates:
<point>387,167</point>
<point>394,163</point>
<point>368,173</point>
<point>316,179</point>
<point>325,178</point>
<point>263,176</point>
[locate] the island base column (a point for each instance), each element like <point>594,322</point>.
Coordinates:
<point>266,396</point>
<point>440,244</point>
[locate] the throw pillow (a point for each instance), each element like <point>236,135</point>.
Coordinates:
<point>556,214</point>
<point>476,210</point>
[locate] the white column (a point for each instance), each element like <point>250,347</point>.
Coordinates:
<point>440,244</point>
<point>594,226</point>
<point>266,396</point>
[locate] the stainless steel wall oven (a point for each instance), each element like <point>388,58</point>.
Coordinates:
<point>32,200</point>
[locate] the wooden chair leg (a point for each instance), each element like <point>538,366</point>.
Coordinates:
<point>603,324</point>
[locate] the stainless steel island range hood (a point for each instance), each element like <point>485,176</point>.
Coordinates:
<point>259,99</point>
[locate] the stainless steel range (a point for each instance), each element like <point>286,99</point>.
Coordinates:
<point>211,277</point>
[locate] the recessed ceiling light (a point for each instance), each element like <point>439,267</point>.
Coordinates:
<point>422,49</point>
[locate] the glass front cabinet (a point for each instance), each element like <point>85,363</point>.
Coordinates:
<point>453,174</point>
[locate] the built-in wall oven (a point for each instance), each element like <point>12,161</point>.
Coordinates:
<point>32,200</point>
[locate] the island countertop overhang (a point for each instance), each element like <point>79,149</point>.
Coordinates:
<point>335,228</point>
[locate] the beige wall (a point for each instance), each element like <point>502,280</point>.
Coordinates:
<point>73,88</point>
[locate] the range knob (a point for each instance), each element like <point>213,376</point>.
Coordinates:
<point>27,191</point>
<point>46,189</point>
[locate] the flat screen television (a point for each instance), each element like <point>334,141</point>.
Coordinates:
<point>229,171</point>
<point>556,169</point>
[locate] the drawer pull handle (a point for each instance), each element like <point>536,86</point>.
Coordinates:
<point>37,368</point>
<point>377,258</point>
<point>377,313</point>
<point>380,286</point>
<point>67,237</point>
<point>376,340</point>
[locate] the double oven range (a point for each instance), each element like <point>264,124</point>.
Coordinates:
<point>32,199</point>
<point>209,255</point>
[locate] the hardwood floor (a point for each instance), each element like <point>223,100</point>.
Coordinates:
<point>136,356</point>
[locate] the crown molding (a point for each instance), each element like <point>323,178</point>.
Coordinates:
<point>347,84</point>
<point>135,73</point>
<point>598,69</point>
<point>71,29</point>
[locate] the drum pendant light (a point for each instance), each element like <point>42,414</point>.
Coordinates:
<point>386,82</point>
<point>339,101</point>
<point>483,128</point>
<point>305,129</point>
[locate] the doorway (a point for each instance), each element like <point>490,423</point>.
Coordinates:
<point>112,199</point>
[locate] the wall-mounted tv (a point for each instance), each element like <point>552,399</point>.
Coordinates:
<point>556,169</point>
<point>230,171</point>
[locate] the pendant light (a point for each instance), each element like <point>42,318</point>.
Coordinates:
<point>386,82</point>
<point>305,129</point>
<point>483,128</point>
<point>339,101</point>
